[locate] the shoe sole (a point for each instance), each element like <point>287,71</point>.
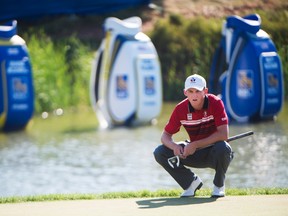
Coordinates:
<point>198,188</point>
<point>217,196</point>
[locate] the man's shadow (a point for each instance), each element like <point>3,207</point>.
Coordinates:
<point>161,202</point>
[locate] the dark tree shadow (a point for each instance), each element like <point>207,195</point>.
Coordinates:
<point>161,202</point>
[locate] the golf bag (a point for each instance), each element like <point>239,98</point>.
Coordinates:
<point>246,71</point>
<point>125,86</point>
<point>16,83</point>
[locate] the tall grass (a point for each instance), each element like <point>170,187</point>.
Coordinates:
<point>184,47</point>
<point>61,71</point>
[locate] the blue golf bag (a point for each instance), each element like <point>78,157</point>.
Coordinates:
<point>16,84</point>
<point>247,71</point>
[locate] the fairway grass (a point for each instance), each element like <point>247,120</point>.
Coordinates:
<point>140,194</point>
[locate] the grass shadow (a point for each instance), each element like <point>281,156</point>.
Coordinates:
<point>161,202</point>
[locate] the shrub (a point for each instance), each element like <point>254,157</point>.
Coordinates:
<point>61,71</point>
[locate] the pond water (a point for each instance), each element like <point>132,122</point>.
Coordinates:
<point>69,154</point>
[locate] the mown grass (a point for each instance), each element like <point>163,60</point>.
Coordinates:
<point>141,194</point>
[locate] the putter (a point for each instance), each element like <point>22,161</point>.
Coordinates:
<point>175,160</point>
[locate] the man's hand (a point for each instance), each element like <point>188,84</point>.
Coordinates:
<point>178,150</point>
<point>189,149</point>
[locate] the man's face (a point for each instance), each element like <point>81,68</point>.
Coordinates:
<point>196,97</point>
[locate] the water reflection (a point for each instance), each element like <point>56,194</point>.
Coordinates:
<point>260,161</point>
<point>69,155</point>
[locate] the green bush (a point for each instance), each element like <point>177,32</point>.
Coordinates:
<point>61,71</point>
<point>179,43</point>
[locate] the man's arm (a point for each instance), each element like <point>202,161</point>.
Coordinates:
<point>222,133</point>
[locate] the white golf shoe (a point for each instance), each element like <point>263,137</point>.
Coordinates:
<point>195,185</point>
<point>218,191</point>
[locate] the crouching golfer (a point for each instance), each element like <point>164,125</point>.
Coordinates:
<point>204,117</point>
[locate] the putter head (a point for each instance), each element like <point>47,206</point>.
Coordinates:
<point>174,161</point>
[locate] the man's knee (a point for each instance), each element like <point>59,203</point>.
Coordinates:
<point>161,153</point>
<point>223,149</point>
<point>158,152</point>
